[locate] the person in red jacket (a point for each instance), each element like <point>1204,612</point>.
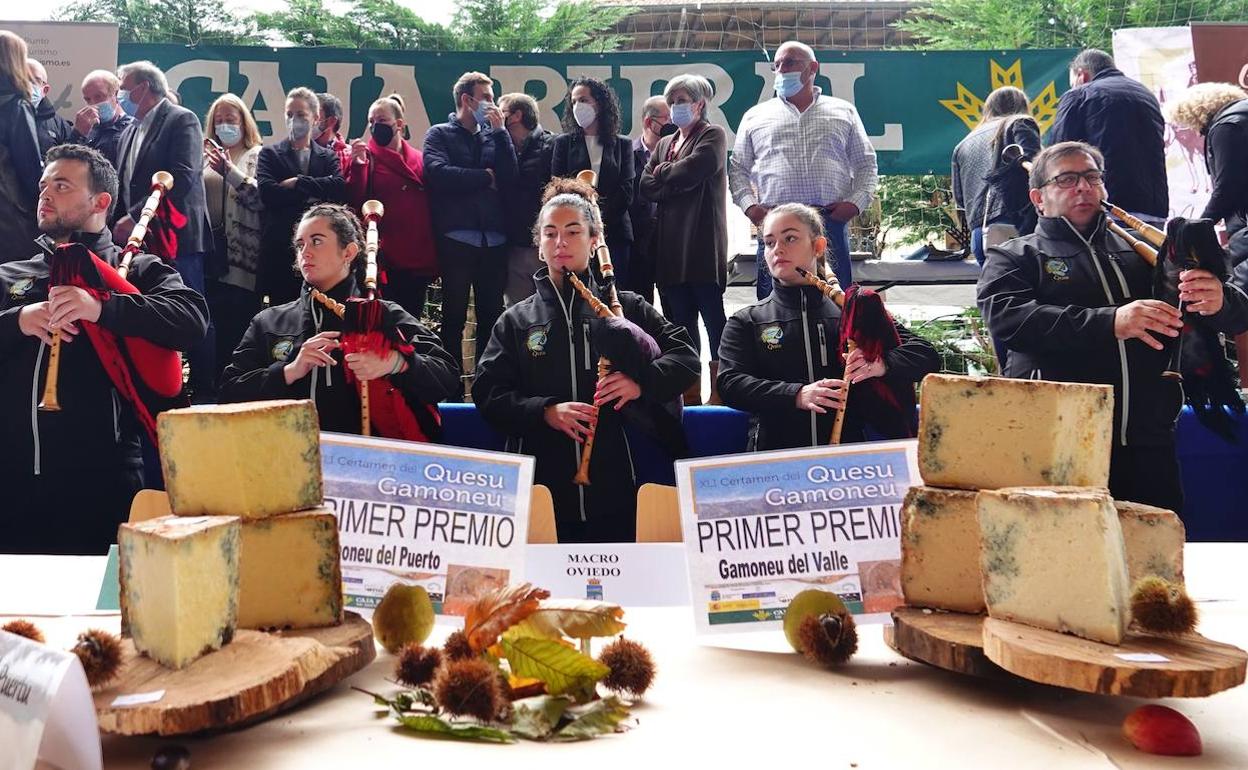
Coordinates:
<point>389,169</point>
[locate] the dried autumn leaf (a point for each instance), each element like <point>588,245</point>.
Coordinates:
<point>556,618</point>
<point>562,668</point>
<point>496,611</point>
<point>598,718</point>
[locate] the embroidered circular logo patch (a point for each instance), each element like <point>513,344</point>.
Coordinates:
<point>282,348</point>
<point>21,287</point>
<point>771,336</point>
<point>1057,269</point>
<point>536,341</point>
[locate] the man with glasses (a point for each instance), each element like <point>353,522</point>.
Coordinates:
<point>1071,303</point>
<point>803,147</point>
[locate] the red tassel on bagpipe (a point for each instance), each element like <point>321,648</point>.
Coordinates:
<point>162,233</point>
<point>389,411</point>
<point>866,322</point>
<point>158,370</point>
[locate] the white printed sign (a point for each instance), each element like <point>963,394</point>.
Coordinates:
<point>455,521</point>
<point>628,574</point>
<point>759,528</point>
<point>68,50</point>
<point>46,712</point>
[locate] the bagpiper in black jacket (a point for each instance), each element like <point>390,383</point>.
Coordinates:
<point>542,352</point>
<point>1051,297</point>
<point>774,347</point>
<point>273,339</point>
<point>96,428</point>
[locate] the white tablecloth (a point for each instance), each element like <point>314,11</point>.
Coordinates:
<point>723,705</point>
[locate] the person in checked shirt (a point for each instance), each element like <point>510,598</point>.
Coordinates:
<point>803,147</point>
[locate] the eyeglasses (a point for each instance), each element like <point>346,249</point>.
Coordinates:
<point>1069,179</point>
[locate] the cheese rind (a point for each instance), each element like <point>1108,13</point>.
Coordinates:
<point>251,460</point>
<point>179,585</point>
<point>1055,559</point>
<point>1154,539</point>
<point>290,573</point>
<point>990,432</point>
<point>940,561</point>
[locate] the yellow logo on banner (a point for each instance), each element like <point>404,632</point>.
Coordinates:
<point>969,107</point>
<point>734,605</point>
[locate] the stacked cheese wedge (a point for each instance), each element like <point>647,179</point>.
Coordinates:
<point>249,544</point>
<point>1016,518</point>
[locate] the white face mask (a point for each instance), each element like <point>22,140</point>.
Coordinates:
<point>298,128</point>
<point>584,114</point>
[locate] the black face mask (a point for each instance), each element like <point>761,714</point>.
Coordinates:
<point>383,134</point>
<point>668,129</point>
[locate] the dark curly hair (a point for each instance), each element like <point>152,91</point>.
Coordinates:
<point>608,111</point>
<point>345,225</point>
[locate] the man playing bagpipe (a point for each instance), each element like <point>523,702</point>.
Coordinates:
<point>96,349</point>
<point>1074,302</point>
<point>781,358</point>
<point>560,380</point>
<point>328,343</point>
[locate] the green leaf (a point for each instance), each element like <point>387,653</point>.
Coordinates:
<point>558,618</point>
<point>536,718</point>
<point>559,666</point>
<point>599,718</point>
<point>431,725</point>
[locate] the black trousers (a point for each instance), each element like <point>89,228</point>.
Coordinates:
<point>1147,474</point>
<point>67,512</point>
<point>484,270</point>
<point>408,289</point>
<point>232,309</point>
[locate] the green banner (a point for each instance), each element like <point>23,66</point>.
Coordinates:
<point>916,105</point>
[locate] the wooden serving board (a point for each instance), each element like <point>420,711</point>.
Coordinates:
<point>950,640</point>
<point>252,677</point>
<point>1195,666</point>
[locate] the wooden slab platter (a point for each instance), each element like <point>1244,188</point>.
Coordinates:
<point>1194,667</point>
<point>953,641</point>
<point>252,677</point>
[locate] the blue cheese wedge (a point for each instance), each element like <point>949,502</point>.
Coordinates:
<point>1054,558</point>
<point>250,460</point>
<point>290,574</point>
<point>940,564</point>
<point>1154,538</point>
<point>989,433</point>
<point>179,585</point>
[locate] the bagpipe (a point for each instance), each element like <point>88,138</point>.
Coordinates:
<point>144,373</point>
<point>623,345</point>
<point>1195,357</point>
<point>365,331</point>
<point>867,326</point>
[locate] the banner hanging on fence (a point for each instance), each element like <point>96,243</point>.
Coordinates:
<point>916,105</point>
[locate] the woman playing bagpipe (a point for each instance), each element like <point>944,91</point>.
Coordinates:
<point>88,341</point>
<point>781,358</point>
<point>320,346</point>
<point>561,381</point>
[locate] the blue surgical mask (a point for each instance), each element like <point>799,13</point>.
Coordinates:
<point>107,111</point>
<point>682,114</point>
<point>36,95</point>
<point>788,83</point>
<point>479,113</point>
<point>229,134</point>
<point>128,105</point>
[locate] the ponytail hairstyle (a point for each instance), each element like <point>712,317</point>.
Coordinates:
<point>812,221</point>
<point>392,102</point>
<point>569,192</point>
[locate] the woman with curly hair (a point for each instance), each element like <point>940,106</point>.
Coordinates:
<point>1220,112</point>
<point>591,140</point>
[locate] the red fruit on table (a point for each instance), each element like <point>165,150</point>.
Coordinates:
<point>1162,730</point>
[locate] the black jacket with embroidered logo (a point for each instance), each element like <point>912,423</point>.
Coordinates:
<point>774,347</point>
<point>96,428</point>
<point>1051,297</point>
<point>542,352</point>
<point>273,340</point>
